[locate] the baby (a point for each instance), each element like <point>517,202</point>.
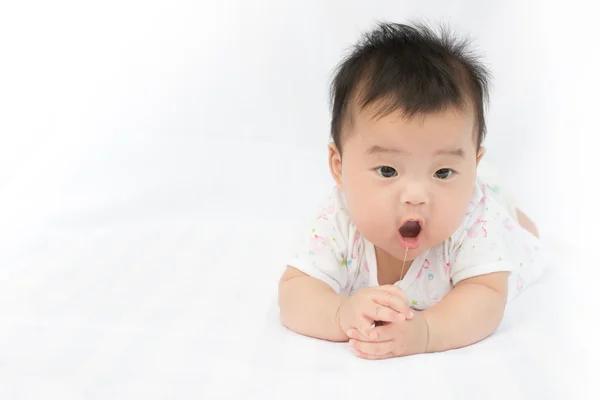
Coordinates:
<point>418,248</point>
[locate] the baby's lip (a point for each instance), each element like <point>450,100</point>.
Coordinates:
<point>408,242</point>
<point>419,220</point>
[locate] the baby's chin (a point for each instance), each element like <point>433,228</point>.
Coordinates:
<point>411,254</point>
<point>398,252</point>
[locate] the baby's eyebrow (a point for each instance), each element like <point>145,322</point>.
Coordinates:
<point>379,149</point>
<point>453,152</point>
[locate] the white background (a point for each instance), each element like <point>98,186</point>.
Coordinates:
<point>75,74</point>
<point>116,93</point>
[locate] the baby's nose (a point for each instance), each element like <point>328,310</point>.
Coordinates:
<point>414,195</point>
<point>415,202</point>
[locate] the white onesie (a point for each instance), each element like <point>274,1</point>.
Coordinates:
<point>489,239</point>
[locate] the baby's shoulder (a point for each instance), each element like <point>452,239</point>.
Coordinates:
<point>331,219</point>
<point>330,247</point>
<point>485,217</point>
<point>333,208</point>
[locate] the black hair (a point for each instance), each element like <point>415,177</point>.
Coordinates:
<point>408,68</point>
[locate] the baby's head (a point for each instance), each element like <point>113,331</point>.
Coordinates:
<point>407,127</point>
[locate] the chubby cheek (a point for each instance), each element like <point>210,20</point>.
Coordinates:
<point>368,211</point>
<point>449,217</point>
<point>372,225</point>
<point>447,223</point>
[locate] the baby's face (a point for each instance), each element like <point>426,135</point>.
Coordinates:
<point>395,170</point>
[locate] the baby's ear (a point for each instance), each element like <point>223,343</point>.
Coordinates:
<point>480,154</point>
<point>335,164</point>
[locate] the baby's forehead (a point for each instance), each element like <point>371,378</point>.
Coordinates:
<point>371,124</point>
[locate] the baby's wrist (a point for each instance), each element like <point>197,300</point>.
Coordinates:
<point>429,334</point>
<point>338,316</point>
<point>426,334</point>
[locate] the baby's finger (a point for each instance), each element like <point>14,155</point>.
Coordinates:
<point>395,290</point>
<point>373,348</point>
<point>378,312</point>
<point>365,328</point>
<point>386,298</point>
<point>353,333</point>
<point>371,356</point>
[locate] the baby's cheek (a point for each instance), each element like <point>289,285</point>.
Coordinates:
<point>360,203</point>
<point>364,220</point>
<point>371,223</point>
<point>447,221</point>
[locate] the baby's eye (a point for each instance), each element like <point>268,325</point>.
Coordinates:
<point>386,172</point>
<point>443,173</point>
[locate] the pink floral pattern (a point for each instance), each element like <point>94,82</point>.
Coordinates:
<point>317,244</point>
<point>477,229</point>
<point>426,265</point>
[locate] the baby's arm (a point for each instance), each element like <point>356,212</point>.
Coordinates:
<point>475,306</point>
<point>469,313</point>
<point>309,306</point>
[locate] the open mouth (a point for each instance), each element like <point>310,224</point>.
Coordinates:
<point>409,234</point>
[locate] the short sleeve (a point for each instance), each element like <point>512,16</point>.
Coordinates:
<point>485,243</point>
<point>321,249</point>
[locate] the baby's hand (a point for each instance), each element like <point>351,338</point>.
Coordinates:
<point>393,339</point>
<point>370,305</point>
